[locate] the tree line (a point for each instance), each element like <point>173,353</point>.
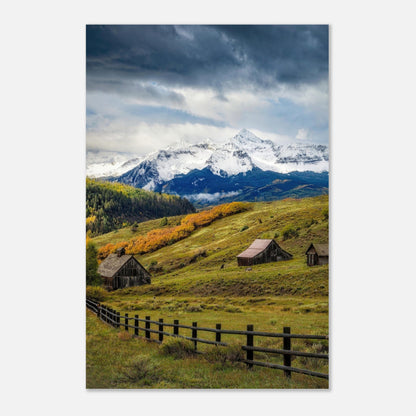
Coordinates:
<point>110,206</point>
<point>161,237</point>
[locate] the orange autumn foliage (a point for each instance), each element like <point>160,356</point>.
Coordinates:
<point>162,237</point>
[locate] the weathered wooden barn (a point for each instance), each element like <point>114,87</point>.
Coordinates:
<point>317,254</point>
<point>120,270</point>
<point>262,251</point>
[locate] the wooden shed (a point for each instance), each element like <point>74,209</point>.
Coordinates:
<point>120,270</point>
<point>262,251</point>
<point>317,254</point>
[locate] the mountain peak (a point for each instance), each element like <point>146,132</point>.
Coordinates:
<point>247,135</point>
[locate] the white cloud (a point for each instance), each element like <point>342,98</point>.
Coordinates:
<point>111,128</point>
<point>128,135</point>
<point>205,197</point>
<point>312,97</point>
<point>230,107</point>
<point>302,134</point>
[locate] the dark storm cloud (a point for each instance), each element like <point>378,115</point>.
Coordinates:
<point>222,57</point>
<point>129,89</point>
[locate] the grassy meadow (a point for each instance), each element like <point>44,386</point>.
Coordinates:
<point>197,280</point>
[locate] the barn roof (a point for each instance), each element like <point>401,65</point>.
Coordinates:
<point>112,264</point>
<point>258,246</point>
<point>321,249</point>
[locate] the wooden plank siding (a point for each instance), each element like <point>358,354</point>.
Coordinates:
<point>317,255</point>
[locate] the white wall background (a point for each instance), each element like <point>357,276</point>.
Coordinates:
<point>372,207</point>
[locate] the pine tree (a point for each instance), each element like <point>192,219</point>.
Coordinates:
<point>93,278</point>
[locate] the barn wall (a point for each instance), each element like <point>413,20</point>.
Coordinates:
<point>311,258</point>
<point>131,274</point>
<point>322,260</point>
<point>271,253</point>
<point>108,282</point>
<point>242,261</point>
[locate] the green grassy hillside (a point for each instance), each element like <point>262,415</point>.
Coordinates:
<point>193,265</point>
<point>190,284</point>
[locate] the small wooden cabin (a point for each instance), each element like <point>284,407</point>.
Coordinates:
<point>120,270</point>
<point>317,254</point>
<point>262,251</point>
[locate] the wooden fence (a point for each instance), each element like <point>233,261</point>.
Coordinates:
<point>114,318</point>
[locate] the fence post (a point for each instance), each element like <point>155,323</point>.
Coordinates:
<point>126,321</point>
<point>287,346</point>
<point>250,344</point>
<point>161,329</point>
<point>98,311</point>
<point>136,325</point>
<point>175,328</point>
<point>147,327</point>
<point>194,333</point>
<point>105,313</point>
<point>111,317</point>
<point>218,334</point>
<point>118,319</point>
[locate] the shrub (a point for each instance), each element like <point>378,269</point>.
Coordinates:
<point>162,237</point>
<point>289,232</point>
<point>153,268</point>
<point>244,228</point>
<point>178,348</point>
<point>309,223</point>
<point>97,293</point>
<point>163,222</point>
<point>233,309</point>
<point>193,308</point>
<point>325,213</point>
<point>230,354</point>
<point>195,257</point>
<point>142,369</point>
<point>312,362</point>
<point>123,336</point>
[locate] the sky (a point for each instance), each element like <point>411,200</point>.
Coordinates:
<point>148,86</point>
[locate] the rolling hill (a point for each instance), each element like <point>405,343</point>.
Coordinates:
<point>197,280</point>
<point>193,266</point>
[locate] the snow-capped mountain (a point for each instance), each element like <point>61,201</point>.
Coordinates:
<point>102,164</point>
<point>244,167</point>
<point>240,154</point>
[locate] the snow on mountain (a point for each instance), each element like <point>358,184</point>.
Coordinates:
<point>240,154</point>
<point>181,160</point>
<point>104,164</point>
<point>301,158</point>
<point>228,161</point>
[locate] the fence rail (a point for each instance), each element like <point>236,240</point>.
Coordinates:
<point>113,317</point>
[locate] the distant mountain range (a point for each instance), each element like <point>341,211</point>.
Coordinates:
<point>245,167</point>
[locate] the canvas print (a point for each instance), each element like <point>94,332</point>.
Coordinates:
<point>207,221</point>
